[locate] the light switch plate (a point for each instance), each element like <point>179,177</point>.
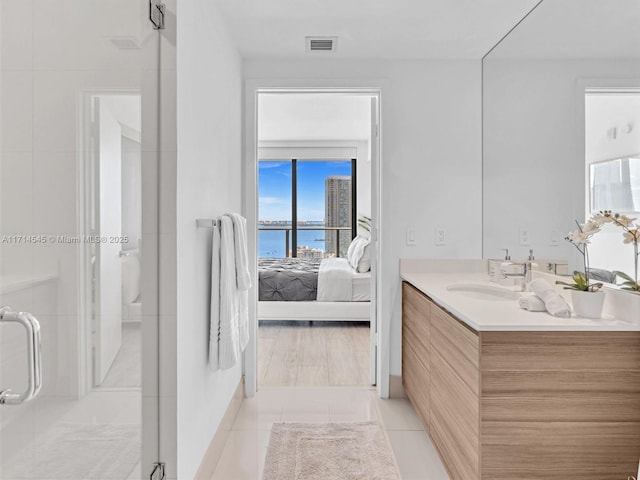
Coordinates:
<point>524,236</point>
<point>411,236</point>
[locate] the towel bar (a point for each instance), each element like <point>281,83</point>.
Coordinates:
<point>206,223</point>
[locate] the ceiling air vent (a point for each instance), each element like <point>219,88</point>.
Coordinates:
<point>321,44</point>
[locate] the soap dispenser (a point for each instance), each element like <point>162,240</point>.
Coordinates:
<point>505,267</point>
<point>532,265</point>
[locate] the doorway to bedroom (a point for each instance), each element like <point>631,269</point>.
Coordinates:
<point>314,246</point>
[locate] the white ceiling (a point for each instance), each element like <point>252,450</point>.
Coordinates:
<point>313,117</point>
<point>381,29</point>
<point>576,29</point>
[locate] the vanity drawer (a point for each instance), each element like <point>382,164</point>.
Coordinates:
<point>416,314</point>
<point>416,380</point>
<point>454,418</point>
<point>458,345</point>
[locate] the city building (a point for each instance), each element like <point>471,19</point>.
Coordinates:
<point>338,198</point>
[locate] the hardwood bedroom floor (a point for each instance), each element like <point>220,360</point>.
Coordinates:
<point>313,353</point>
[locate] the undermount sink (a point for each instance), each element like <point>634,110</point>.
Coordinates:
<point>484,292</point>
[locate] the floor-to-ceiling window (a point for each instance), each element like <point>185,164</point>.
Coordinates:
<point>307,208</point>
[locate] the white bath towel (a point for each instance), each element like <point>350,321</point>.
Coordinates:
<point>532,303</point>
<point>242,255</point>
<point>553,302</point>
<point>228,332</point>
<point>243,277</point>
<point>214,326</point>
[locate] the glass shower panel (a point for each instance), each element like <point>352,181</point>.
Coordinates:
<point>76,79</point>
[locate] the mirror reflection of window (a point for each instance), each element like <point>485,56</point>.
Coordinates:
<point>615,185</point>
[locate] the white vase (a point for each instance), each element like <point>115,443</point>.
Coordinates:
<point>587,304</point>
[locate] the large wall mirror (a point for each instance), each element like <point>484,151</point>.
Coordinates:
<point>561,129</point>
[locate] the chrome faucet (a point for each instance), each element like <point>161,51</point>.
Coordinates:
<point>526,274</point>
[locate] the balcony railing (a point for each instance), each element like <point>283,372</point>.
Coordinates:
<point>288,234</point>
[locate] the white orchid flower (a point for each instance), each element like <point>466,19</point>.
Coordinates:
<point>624,221</point>
<point>601,219</point>
<point>578,238</point>
<point>632,236</point>
<point>590,228</point>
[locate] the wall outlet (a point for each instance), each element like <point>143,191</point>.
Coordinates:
<point>411,236</point>
<point>441,236</point>
<point>524,236</point>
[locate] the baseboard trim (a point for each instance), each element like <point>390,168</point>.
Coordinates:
<point>214,452</point>
<point>396,390</point>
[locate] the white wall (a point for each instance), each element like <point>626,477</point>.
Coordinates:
<point>208,184</point>
<point>363,182</point>
<point>534,166</point>
<point>309,116</point>
<point>430,157</point>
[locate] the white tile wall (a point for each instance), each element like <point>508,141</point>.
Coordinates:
<point>17,107</point>
<point>16,171</point>
<point>74,34</point>
<point>16,48</point>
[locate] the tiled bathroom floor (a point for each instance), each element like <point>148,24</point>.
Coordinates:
<point>50,429</point>
<point>244,454</point>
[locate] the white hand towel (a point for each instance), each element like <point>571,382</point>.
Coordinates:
<point>532,303</point>
<point>243,277</point>
<point>553,302</point>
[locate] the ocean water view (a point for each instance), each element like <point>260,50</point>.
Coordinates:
<point>271,243</point>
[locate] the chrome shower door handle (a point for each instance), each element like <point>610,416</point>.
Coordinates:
<point>34,352</point>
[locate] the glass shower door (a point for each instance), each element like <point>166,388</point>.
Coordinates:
<point>78,349</point>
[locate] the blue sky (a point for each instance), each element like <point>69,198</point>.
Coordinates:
<point>274,188</point>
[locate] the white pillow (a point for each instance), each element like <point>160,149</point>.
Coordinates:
<point>352,247</point>
<point>358,254</point>
<point>364,265</point>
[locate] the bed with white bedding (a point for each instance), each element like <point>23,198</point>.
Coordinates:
<point>310,279</point>
<point>317,289</point>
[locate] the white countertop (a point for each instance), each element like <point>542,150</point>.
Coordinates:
<point>501,315</point>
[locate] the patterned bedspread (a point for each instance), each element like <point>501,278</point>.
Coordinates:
<point>288,279</point>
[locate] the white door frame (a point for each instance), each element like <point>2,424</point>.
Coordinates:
<point>250,210</point>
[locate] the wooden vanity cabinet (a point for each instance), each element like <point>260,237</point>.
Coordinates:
<point>416,350</point>
<point>440,375</point>
<point>535,405</point>
<point>454,394</point>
